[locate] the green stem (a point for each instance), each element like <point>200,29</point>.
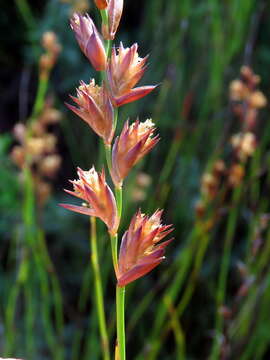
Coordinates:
<point>41,93</point>
<point>108,156</point>
<point>98,290</point>
<point>114,246</point>
<point>119,200</point>
<point>115,117</point>
<point>120,318</point>
<point>224,271</point>
<point>105,23</point>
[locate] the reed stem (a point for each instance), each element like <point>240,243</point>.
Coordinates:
<point>98,290</point>
<point>120,319</point>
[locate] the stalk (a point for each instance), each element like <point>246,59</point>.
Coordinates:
<point>114,246</point>
<point>120,319</point>
<point>98,290</point>
<point>224,271</point>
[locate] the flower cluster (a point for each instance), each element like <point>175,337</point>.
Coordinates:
<point>37,147</point>
<point>246,101</point>
<point>122,68</point>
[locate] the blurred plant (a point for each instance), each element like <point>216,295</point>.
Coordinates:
<point>36,156</point>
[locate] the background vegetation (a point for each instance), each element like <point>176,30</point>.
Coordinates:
<point>210,298</point>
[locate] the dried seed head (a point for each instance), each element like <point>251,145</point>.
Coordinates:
<point>43,190</point>
<point>236,174</point>
<point>143,179</point>
<point>257,100</point>
<point>49,165</point>
<point>140,250</point>
<point>245,144</point>
<point>50,116</point>
<point>19,132</point>
<point>50,42</point>
<point>35,146</point>
<point>209,185</point>
<point>238,90</point>
<point>18,155</point>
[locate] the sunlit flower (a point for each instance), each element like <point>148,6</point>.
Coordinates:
<point>124,71</point>
<point>140,249</point>
<point>115,9</point>
<point>100,202</point>
<point>95,108</point>
<point>89,40</point>
<point>133,143</point>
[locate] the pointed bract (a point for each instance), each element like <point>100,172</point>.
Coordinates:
<point>99,199</point>
<point>140,249</point>
<point>89,40</point>
<point>124,71</point>
<point>133,143</point>
<point>95,108</point>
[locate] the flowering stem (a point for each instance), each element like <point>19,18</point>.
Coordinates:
<point>108,156</point>
<point>114,246</point>
<point>105,23</point>
<point>41,92</point>
<point>119,196</point>
<point>120,319</point>
<point>98,290</point>
<point>115,117</point>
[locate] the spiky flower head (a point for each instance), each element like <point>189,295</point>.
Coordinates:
<point>98,198</point>
<point>89,40</point>
<point>115,9</point>
<point>124,70</point>
<point>141,250</point>
<point>95,108</point>
<point>133,143</point>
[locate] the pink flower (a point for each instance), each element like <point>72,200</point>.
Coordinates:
<point>124,70</point>
<point>133,143</point>
<point>115,9</point>
<point>99,199</point>
<point>140,249</point>
<point>95,108</point>
<point>89,40</point>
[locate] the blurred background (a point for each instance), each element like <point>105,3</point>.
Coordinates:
<point>210,298</point>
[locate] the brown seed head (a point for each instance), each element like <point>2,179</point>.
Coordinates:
<point>18,156</point>
<point>236,174</point>
<point>238,90</point>
<point>257,100</point>
<point>140,250</point>
<point>50,116</point>
<point>133,143</point>
<point>19,132</point>
<point>245,144</point>
<point>49,165</point>
<point>50,42</point>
